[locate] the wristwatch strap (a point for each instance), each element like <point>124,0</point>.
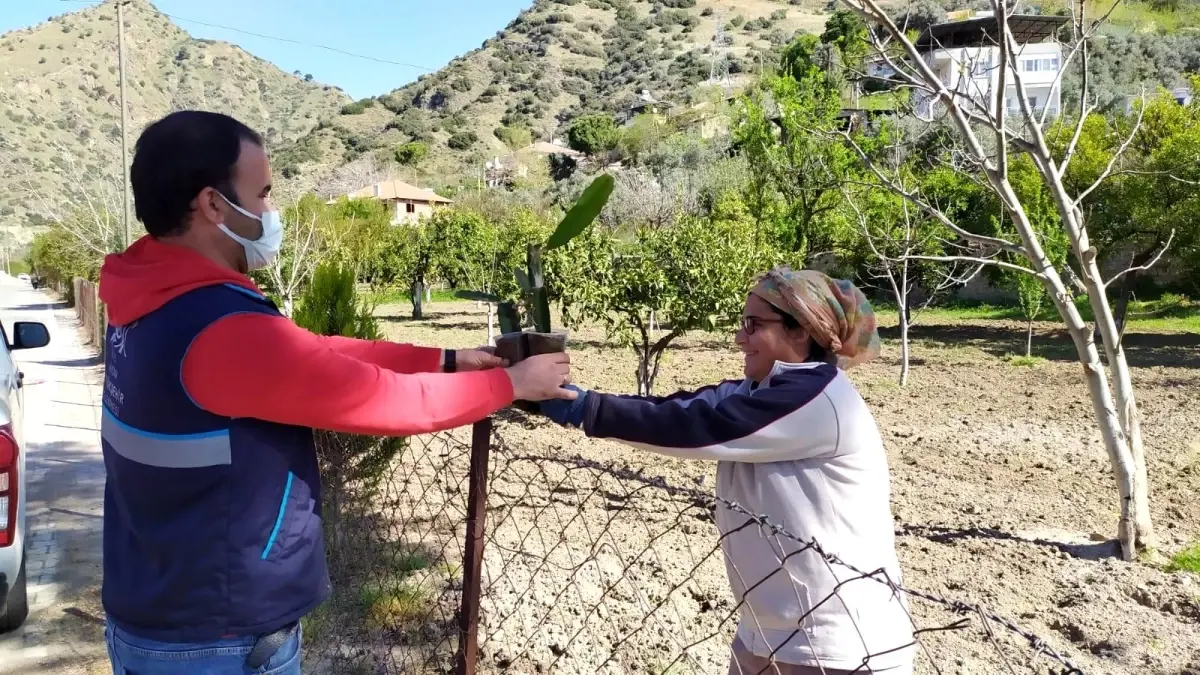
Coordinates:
<point>451,361</point>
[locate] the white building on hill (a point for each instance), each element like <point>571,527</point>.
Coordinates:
<point>965,56</point>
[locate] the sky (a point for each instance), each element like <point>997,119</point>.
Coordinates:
<point>420,33</point>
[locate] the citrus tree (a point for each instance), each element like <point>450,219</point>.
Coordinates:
<point>691,276</point>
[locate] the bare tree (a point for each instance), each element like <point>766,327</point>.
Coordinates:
<point>900,250</point>
<point>85,203</point>
<point>290,271</point>
<point>360,173</point>
<point>641,197</point>
<point>976,118</point>
<point>80,186</point>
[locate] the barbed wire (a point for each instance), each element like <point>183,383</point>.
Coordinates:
<point>590,567</point>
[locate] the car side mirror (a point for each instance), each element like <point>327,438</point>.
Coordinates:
<point>30,335</point>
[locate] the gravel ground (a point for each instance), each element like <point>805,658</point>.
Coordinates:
<point>1001,492</point>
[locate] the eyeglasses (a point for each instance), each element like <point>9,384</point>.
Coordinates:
<point>752,323</point>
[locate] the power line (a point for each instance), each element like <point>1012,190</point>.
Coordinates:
<point>278,39</point>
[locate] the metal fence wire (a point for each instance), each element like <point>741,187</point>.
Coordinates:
<point>563,564</point>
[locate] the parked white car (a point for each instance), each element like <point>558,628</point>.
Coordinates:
<point>14,605</point>
<point>23,277</point>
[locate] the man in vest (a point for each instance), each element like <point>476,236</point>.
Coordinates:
<point>212,520</point>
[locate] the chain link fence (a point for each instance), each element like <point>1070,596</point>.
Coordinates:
<point>563,564</point>
<point>395,552</point>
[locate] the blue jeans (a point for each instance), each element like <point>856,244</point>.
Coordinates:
<point>132,655</point>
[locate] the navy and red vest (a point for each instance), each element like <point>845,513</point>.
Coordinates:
<point>212,525</point>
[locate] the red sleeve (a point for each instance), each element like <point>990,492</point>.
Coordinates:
<point>266,367</point>
<point>396,357</point>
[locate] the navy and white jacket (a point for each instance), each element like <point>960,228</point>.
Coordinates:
<point>802,449</point>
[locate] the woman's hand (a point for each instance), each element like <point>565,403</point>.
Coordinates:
<point>565,412</point>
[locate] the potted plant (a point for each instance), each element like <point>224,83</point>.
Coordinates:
<point>514,343</point>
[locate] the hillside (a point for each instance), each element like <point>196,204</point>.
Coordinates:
<point>558,58</point>
<point>60,128</point>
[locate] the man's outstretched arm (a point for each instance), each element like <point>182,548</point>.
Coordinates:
<point>405,358</point>
<point>266,367</point>
<point>397,357</point>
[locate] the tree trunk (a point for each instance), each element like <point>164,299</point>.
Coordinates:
<point>643,374</point>
<point>428,294</point>
<point>1119,424</point>
<point>1029,339</point>
<point>417,295</point>
<point>900,291</point>
<point>491,324</point>
<point>1117,419</point>
<point>1114,406</point>
<point>1140,526</point>
<point>1121,307</point>
<point>1133,527</point>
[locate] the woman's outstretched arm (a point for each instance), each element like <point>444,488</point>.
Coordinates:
<point>788,420</point>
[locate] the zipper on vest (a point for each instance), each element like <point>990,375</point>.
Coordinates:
<point>287,490</point>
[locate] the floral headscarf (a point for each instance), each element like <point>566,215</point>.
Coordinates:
<point>834,312</point>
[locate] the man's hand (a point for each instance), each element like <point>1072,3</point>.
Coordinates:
<point>483,358</point>
<point>542,377</point>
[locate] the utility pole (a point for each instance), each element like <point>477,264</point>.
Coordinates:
<point>124,118</point>
<point>718,71</point>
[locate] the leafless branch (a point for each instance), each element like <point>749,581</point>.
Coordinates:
<point>1140,268</point>
<point>933,211</point>
<point>1161,174</point>
<point>1117,155</point>
<point>979,261</point>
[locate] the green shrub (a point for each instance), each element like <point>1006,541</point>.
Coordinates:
<point>515,137</point>
<point>1024,361</point>
<point>593,134</point>
<point>351,465</point>
<point>462,140</point>
<point>330,305</point>
<point>358,107</point>
<point>411,152</point>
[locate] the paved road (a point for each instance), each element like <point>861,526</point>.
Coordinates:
<point>64,634</point>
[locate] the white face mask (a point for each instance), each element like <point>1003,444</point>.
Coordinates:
<point>259,252</point>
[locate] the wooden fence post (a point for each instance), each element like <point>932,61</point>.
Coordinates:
<point>468,615</point>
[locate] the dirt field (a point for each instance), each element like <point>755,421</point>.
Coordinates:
<point>1001,492</point>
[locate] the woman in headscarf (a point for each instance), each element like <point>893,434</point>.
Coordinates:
<point>794,443</point>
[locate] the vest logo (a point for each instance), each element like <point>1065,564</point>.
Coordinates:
<point>119,334</point>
